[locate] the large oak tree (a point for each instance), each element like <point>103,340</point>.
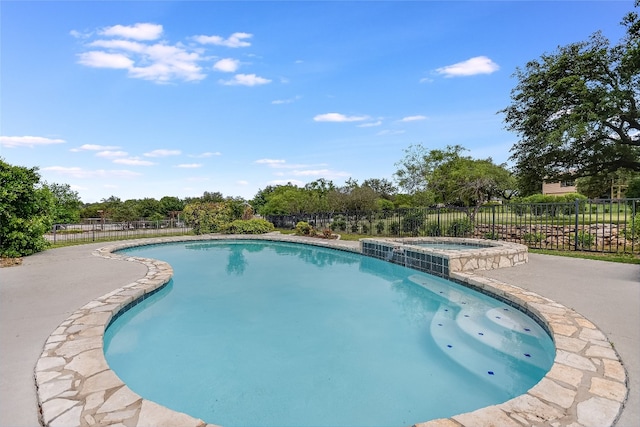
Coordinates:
<point>576,110</point>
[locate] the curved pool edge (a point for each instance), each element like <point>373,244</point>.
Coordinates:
<point>587,384</point>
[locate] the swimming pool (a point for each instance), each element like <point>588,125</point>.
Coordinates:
<point>296,335</point>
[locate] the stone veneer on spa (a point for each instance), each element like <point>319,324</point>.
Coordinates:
<point>480,254</point>
<point>586,386</point>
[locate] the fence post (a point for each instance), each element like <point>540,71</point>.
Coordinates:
<point>575,239</point>
<point>634,238</point>
<point>55,229</point>
<point>493,223</point>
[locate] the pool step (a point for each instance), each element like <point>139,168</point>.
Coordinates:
<point>497,325</point>
<point>478,334</point>
<point>479,360</point>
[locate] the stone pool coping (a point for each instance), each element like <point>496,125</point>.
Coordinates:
<point>586,386</point>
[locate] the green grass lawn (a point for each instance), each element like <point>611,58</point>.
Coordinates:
<point>600,256</point>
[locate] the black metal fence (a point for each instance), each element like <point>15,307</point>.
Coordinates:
<point>96,231</point>
<point>585,225</point>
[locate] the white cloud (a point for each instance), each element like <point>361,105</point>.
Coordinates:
<point>28,141</point>
<point>159,62</point>
<point>227,65</point>
<point>166,63</point>
<point>413,118</point>
<point>426,80</point>
<point>163,153</point>
<point>369,125</point>
<point>94,147</point>
<point>134,162</point>
<point>206,154</point>
<point>234,40</point>
<point>470,67</point>
<point>140,31</point>
<point>80,35</point>
<point>337,117</point>
<point>126,45</point>
<point>77,172</point>
<point>99,59</point>
<point>242,182</point>
<point>270,162</point>
<point>286,101</point>
<point>109,154</point>
<point>189,165</point>
<point>245,80</point>
<point>139,50</point>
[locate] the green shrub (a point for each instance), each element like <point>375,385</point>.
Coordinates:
<point>394,228</point>
<point>432,229</point>
<point>207,217</point>
<point>491,235</point>
<point>632,230</point>
<point>248,226</point>
<point>532,238</point>
<point>380,227</point>
<point>585,239</point>
<point>365,229</point>
<point>354,228</point>
<point>303,228</point>
<point>339,223</point>
<point>460,227</point>
<point>412,222</point>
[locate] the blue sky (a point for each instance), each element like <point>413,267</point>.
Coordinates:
<point>150,99</point>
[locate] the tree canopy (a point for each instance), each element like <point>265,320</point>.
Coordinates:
<point>25,207</point>
<point>448,177</point>
<point>67,204</point>
<point>576,110</point>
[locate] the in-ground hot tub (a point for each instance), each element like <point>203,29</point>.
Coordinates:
<point>442,256</point>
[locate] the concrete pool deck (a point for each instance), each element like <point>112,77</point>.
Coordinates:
<point>37,297</point>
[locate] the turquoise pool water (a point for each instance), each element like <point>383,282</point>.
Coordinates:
<point>279,334</point>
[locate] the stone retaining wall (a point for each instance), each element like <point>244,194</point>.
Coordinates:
<point>594,237</point>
